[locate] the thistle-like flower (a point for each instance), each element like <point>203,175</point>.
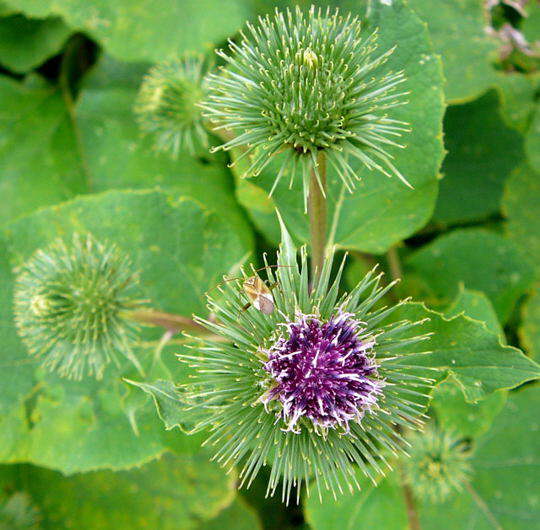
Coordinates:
<point>70,306</point>
<point>323,371</point>
<point>167,106</point>
<point>314,387</point>
<point>438,464</point>
<point>298,85</point>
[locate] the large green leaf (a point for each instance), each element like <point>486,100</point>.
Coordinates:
<point>41,164</point>
<point>530,324</point>
<point>482,152</point>
<point>27,43</point>
<point>466,350</point>
<point>502,492</point>
<point>181,249</point>
<point>520,205</point>
<point>505,474</point>
<point>478,259</point>
<point>119,157</point>
<point>532,143</point>
<point>171,493</point>
<point>457,28</point>
<point>475,304</point>
<point>85,427</point>
<point>381,506</point>
<point>381,210</point>
<point>469,420</point>
<point>517,93</point>
<point>145,29</point>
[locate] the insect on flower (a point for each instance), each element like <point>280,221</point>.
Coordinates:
<point>259,294</point>
<point>314,388</point>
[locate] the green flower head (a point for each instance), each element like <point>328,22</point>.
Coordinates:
<point>167,106</point>
<point>70,305</point>
<point>300,84</point>
<point>438,464</point>
<point>309,381</point>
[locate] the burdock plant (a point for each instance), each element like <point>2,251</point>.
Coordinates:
<point>315,387</point>
<point>438,464</point>
<point>167,105</point>
<point>310,89</point>
<point>71,306</point>
<point>303,85</point>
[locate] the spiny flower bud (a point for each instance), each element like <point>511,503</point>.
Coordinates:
<point>298,84</point>
<point>167,105</point>
<point>438,464</point>
<point>310,382</point>
<point>70,304</point>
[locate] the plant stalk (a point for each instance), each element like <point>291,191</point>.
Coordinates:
<point>317,211</point>
<point>172,323</point>
<point>394,264</point>
<point>410,504</point>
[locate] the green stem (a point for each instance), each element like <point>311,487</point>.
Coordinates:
<point>410,504</point>
<point>172,323</point>
<point>317,210</point>
<point>394,264</point>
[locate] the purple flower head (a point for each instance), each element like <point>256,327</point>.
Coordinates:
<point>323,371</point>
<point>315,388</point>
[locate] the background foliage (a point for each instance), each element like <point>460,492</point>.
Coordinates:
<point>466,242</point>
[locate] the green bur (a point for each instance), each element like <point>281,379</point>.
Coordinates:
<point>71,303</point>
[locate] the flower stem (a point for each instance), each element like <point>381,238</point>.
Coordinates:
<point>394,264</point>
<point>172,323</point>
<point>412,514</point>
<point>317,210</point>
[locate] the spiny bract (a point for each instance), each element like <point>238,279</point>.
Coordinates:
<point>70,301</point>
<point>167,105</point>
<point>314,388</point>
<point>299,84</point>
<point>438,464</point>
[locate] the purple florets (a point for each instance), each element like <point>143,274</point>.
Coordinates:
<point>323,371</point>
